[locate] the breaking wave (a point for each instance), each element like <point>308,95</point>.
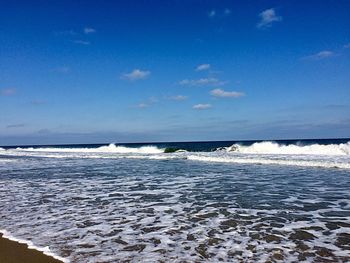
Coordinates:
<point>265,153</point>
<point>266,147</point>
<point>269,147</point>
<point>112,148</point>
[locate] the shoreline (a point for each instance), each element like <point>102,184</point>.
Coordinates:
<point>13,251</point>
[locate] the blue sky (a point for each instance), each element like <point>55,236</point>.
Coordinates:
<point>134,71</point>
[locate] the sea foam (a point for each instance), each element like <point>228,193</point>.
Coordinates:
<point>111,148</point>
<point>269,147</point>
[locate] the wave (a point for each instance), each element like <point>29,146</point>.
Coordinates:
<point>269,147</point>
<point>173,150</point>
<point>268,152</point>
<point>266,147</point>
<point>112,148</point>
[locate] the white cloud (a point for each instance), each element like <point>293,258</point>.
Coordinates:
<point>179,97</point>
<point>8,92</point>
<point>226,94</point>
<point>136,74</point>
<point>212,13</point>
<point>142,105</point>
<point>203,67</point>
<point>89,30</point>
<point>81,42</point>
<point>267,18</point>
<point>147,103</point>
<point>347,45</point>
<point>201,106</point>
<point>202,82</point>
<point>321,55</point>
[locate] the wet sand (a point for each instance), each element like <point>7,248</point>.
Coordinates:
<point>14,252</point>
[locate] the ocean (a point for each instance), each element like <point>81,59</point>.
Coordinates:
<point>251,201</point>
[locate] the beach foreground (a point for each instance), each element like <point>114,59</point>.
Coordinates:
<point>14,252</point>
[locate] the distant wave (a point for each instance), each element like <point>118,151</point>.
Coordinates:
<point>112,148</point>
<point>269,147</point>
<point>266,147</point>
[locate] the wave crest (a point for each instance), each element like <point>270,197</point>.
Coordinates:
<point>269,147</point>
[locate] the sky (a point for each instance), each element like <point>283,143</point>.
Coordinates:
<point>176,70</point>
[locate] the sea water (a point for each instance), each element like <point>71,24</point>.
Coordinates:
<point>286,201</point>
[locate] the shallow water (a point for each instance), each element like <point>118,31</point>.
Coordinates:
<point>153,207</point>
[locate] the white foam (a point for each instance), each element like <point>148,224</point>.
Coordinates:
<point>112,148</point>
<point>252,160</point>
<point>120,208</point>
<point>269,147</point>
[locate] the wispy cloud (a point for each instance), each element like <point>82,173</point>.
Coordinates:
<point>226,94</point>
<point>142,105</point>
<point>38,102</point>
<point>336,106</point>
<point>347,45</point>
<point>44,131</point>
<point>89,30</point>
<point>19,125</point>
<point>8,92</point>
<point>151,101</point>
<point>136,74</point>
<point>321,55</point>
<point>201,106</point>
<point>203,67</point>
<point>267,17</point>
<point>65,33</point>
<point>203,82</point>
<point>81,42</point>
<point>220,13</point>
<point>178,97</point>
<point>63,69</point>
<point>212,13</point>
<point>227,11</point>
<point>78,35</point>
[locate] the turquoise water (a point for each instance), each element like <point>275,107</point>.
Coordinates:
<point>246,203</point>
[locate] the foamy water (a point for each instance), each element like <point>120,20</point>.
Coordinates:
<point>116,204</point>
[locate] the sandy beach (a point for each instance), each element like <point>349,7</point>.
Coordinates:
<point>14,252</point>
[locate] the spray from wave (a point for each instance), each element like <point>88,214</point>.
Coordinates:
<point>269,147</point>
